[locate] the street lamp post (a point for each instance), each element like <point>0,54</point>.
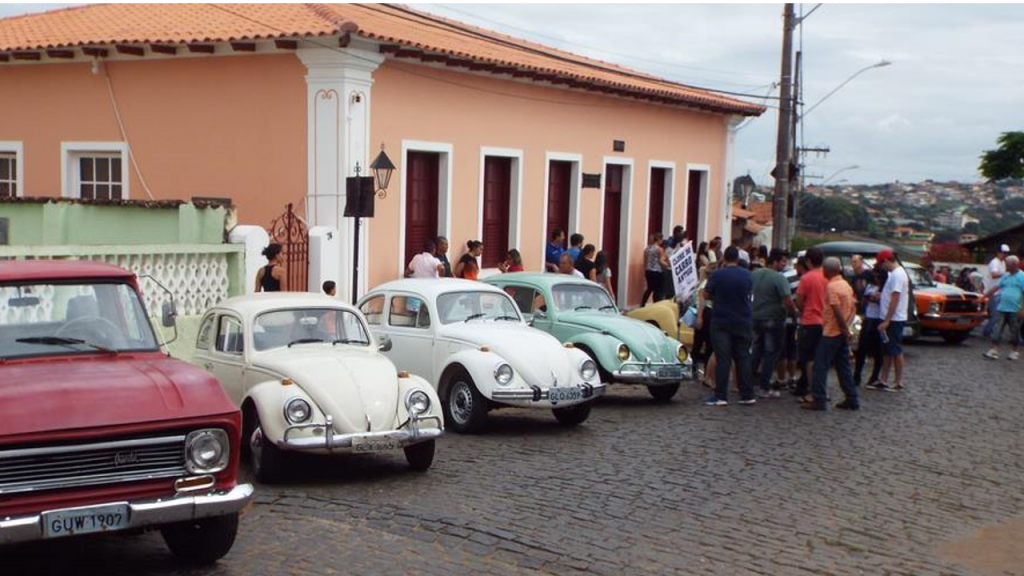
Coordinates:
<point>879,64</point>
<point>838,172</point>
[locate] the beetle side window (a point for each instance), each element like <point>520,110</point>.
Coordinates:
<point>205,333</point>
<point>523,297</point>
<point>373,309</point>
<point>408,312</point>
<point>229,336</point>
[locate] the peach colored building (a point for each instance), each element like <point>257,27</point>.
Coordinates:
<point>494,138</point>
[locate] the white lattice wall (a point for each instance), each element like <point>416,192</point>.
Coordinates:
<point>197,276</point>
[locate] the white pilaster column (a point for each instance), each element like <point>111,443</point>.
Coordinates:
<point>729,174</point>
<point>338,95</point>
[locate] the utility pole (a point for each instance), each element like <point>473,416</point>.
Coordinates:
<point>796,184</point>
<point>784,142</point>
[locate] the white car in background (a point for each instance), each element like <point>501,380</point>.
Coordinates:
<point>309,377</point>
<point>469,340</point>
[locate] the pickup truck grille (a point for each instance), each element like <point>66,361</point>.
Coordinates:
<point>79,465</point>
<point>963,306</point>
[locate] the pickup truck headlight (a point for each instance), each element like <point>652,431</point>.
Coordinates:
<point>935,308</point>
<point>623,352</point>
<point>417,402</point>
<point>503,374</point>
<point>297,411</point>
<point>207,451</point>
<point>588,370</point>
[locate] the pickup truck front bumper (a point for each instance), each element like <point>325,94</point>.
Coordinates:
<point>142,513</point>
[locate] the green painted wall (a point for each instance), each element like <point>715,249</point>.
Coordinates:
<point>66,223</point>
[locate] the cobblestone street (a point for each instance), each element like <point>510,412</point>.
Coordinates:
<point>646,489</point>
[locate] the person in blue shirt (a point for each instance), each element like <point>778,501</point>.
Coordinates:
<point>730,289</point>
<point>555,248</point>
<point>1010,309</point>
<point>575,246</point>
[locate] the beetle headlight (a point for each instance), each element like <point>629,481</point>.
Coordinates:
<point>588,369</point>
<point>503,374</point>
<point>682,354</point>
<point>417,402</point>
<point>297,411</point>
<point>623,352</point>
<point>207,451</point>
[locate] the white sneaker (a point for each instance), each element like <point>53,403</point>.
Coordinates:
<point>992,353</point>
<point>1013,355</point>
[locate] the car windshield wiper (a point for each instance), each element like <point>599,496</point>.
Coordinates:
<point>474,316</point>
<point>512,318</point>
<point>348,341</point>
<point>305,341</point>
<point>584,307</point>
<point>62,341</point>
<point>607,307</point>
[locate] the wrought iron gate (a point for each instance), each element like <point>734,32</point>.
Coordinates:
<point>291,232</point>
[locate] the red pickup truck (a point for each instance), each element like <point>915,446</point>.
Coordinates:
<point>99,430</point>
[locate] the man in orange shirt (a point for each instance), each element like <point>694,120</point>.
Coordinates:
<point>837,316</point>
<point>810,299</point>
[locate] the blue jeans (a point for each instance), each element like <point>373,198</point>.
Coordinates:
<point>833,350</point>
<point>989,330</point>
<point>731,343</point>
<point>769,336</point>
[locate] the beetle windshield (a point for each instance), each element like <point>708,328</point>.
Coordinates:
<point>572,297</point>
<point>72,318</point>
<point>297,326</point>
<point>466,306</point>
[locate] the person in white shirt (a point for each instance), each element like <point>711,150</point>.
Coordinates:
<point>996,269</point>
<point>567,266</point>
<point>894,303</point>
<point>425,264</point>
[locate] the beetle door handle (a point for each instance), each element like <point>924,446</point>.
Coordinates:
<point>208,366</point>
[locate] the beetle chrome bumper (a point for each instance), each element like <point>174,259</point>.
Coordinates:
<point>650,373</point>
<point>538,394</point>
<point>415,431</point>
<point>143,514</point>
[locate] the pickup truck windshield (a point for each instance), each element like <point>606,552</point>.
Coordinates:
<point>72,318</point>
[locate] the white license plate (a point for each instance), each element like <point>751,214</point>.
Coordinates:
<point>670,372</point>
<point>556,395</point>
<point>105,518</point>
<point>908,332</point>
<point>371,444</point>
<point>964,320</point>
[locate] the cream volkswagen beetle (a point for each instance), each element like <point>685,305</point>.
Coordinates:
<point>468,340</point>
<point>310,377</point>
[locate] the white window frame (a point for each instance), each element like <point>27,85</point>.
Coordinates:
<point>625,222</point>
<point>575,186</point>
<point>702,218</point>
<point>18,149</point>
<point>669,202</point>
<point>515,200</point>
<point>444,188</point>
<point>70,152</point>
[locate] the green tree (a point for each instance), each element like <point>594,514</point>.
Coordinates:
<point>826,214</point>
<point>1012,205</point>
<point>1006,161</point>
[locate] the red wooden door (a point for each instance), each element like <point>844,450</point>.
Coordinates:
<point>559,181</point>
<point>497,192</point>
<point>693,204</point>
<point>612,217</point>
<point>421,189</point>
<point>656,213</point>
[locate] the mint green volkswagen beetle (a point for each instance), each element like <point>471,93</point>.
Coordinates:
<point>580,312</point>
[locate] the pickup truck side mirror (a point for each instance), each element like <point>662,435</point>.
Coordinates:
<point>168,315</point>
<point>385,344</point>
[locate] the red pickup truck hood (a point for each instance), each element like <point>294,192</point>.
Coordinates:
<point>96,391</point>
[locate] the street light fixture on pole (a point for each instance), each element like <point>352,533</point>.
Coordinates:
<point>838,172</point>
<point>879,64</point>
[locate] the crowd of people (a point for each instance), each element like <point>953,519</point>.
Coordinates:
<point>774,328</point>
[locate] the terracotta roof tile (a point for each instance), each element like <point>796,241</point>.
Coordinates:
<point>388,23</point>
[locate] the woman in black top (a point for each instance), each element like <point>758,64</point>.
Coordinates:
<point>270,278</point>
<point>585,263</point>
<point>467,267</point>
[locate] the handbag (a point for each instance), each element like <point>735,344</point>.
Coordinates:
<point>690,318</point>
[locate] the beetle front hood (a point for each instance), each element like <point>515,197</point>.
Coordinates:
<point>536,356</point>
<point>358,388</point>
<point>644,340</point>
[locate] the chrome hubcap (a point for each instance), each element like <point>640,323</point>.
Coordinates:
<point>461,402</point>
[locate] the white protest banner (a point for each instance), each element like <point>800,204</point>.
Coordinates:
<point>684,271</point>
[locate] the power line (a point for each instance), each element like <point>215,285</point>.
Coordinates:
<point>605,51</point>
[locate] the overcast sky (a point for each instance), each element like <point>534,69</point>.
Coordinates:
<point>956,82</point>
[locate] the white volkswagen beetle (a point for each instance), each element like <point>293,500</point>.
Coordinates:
<point>468,339</point>
<point>310,377</point>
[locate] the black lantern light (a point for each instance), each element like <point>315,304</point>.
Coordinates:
<point>745,185</point>
<point>382,168</point>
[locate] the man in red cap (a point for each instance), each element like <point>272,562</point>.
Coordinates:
<point>895,303</point>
